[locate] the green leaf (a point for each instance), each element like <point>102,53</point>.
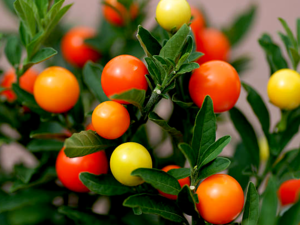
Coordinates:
<point>186,202</point>
<point>150,45</point>
<point>173,47</point>
<point>39,145</point>
<point>194,56</point>
<point>41,56</point>
<point>153,70</point>
<point>13,50</point>
<point>180,173</point>
<point>205,128</point>
<point>47,135</point>
<point>239,163</point>
<point>269,205</point>
<point>92,78</point>
<point>216,166</point>
<point>213,151</point>
<point>241,63</point>
<point>251,209</point>
<point>23,173</point>
<point>24,35</point>
<point>289,33</point>
<point>189,153</point>
<point>135,97</point>
<point>54,10</point>
<point>164,125</point>
<point>104,184</point>
<point>85,143</point>
<point>87,218</point>
<point>291,216</point>
<point>259,108</point>
<point>42,6</point>
<point>240,26</point>
<point>158,205</point>
<point>298,31</point>
<point>182,104</point>
<point>26,15</point>
<point>26,198</point>
<point>273,53</point>
<point>187,68</point>
<point>247,134</point>
<point>159,180</point>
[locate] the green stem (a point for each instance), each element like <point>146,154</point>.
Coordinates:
<point>282,125</point>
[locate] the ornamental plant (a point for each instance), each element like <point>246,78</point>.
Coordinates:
<point>84,118</point>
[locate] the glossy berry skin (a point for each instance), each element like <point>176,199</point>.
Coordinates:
<point>220,81</point>
<point>198,22</point>
<point>126,158</point>
<point>75,51</point>
<point>289,192</point>
<point>123,73</point>
<point>56,90</point>
<point>26,83</point>
<point>110,120</point>
<point>68,169</point>
<point>221,199</point>
<point>182,182</point>
<point>214,44</point>
<point>284,89</point>
<point>172,14</point>
<point>119,14</point>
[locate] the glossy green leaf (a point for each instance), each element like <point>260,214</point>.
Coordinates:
<point>158,205</point>
<point>104,184</point>
<point>251,208</point>
<point>189,153</point>
<point>159,180</point>
<point>39,145</point>
<point>240,26</point>
<point>273,53</point>
<point>26,15</point>
<point>180,173</point>
<point>135,97</point>
<point>42,55</point>
<point>173,47</point>
<point>247,134</point>
<point>150,45</point>
<point>218,165</point>
<point>186,202</point>
<point>259,108</point>
<point>204,129</point>
<point>187,68</point>
<point>164,125</point>
<point>269,205</point>
<point>92,78</point>
<point>13,50</point>
<point>214,150</point>
<point>85,143</point>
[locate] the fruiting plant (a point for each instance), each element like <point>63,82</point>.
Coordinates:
<point>87,124</point>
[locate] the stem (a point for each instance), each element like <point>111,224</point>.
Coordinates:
<point>282,125</point>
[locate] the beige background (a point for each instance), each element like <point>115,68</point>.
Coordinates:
<point>220,12</point>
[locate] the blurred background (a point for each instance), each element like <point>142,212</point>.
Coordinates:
<point>220,13</point>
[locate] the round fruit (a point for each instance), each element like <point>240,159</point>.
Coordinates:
<point>172,14</point>
<point>26,83</point>
<point>213,43</point>
<point>284,89</point>
<point>221,199</point>
<point>56,90</point>
<point>110,120</point>
<point>74,50</point>
<point>118,14</point>
<point>289,192</point>
<point>123,73</point>
<point>182,182</point>
<point>198,22</point>
<point>68,169</point>
<point>126,158</point>
<point>220,81</point>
